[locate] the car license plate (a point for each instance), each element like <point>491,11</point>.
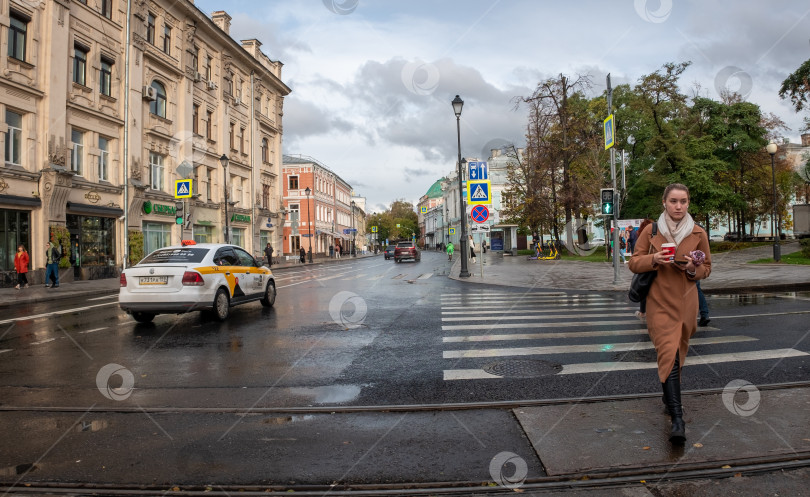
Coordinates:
<point>154,280</point>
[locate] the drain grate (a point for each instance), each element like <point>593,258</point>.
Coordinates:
<point>523,368</point>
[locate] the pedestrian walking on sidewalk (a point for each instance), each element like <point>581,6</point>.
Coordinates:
<point>52,257</point>
<point>450,249</point>
<point>268,252</point>
<point>21,259</point>
<point>472,248</point>
<point>672,303</point>
<point>302,255</point>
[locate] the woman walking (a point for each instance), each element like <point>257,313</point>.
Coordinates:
<point>672,303</point>
<point>21,259</point>
<point>472,248</point>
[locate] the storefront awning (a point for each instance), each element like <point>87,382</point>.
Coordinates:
<point>94,210</point>
<point>17,200</point>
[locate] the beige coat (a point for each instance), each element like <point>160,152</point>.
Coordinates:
<point>672,304</point>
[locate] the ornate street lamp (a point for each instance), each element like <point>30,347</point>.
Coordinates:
<point>458,103</point>
<point>224,161</point>
<point>777,251</point>
<point>309,222</point>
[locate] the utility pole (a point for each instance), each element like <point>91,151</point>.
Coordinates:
<point>615,237</point>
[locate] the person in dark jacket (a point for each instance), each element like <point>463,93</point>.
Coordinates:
<point>268,252</point>
<point>52,256</point>
<point>303,254</point>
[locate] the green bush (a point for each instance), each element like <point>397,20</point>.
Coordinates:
<point>135,247</point>
<point>805,243</point>
<point>60,236</point>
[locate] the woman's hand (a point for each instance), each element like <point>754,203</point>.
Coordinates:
<point>690,265</point>
<point>661,257</point>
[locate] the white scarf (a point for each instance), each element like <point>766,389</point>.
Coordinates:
<point>675,232</point>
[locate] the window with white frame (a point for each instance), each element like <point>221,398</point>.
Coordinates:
<point>77,157</point>
<point>156,171</point>
<point>14,138</point>
<point>158,105</point>
<point>80,65</point>
<point>150,28</point>
<point>208,181</point>
<point>105,77</point>
<point>103,159</point>
<point>265,150</point>
<point>106,8</point>
<point>167,39</point>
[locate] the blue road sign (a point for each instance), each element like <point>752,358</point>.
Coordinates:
<point>182,188</point>
<point>479,192</point>
<point>609,132</point>
<point>477,171</point>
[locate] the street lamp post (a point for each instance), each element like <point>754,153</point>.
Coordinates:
<point>224,161</point>
<point>309,223</point>
<point>354,234</point>
<point>777,251</point>
<point>458,103</point>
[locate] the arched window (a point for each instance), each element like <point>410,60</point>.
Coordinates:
<point>265,151</point>
<point>158,106</point>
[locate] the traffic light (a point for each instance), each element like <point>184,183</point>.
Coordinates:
<point>608,206</point>
<point>178,213</point>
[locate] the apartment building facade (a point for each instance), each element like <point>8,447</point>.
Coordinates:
<point>94,165</point>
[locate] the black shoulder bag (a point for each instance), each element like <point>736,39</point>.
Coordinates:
<point>642,282</point>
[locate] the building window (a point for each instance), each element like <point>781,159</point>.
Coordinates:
<point>195,58</point>
<point>15,229</point>
<point>265,150</point>
<point>203,234</point>
<point>167,39</point>
<point>208,182</point>
<point>106,8</point>
<point>266,196</point>
<point>209,63</point>
<point>155,236</point>
<point>232,132</point>
<point>158,105</point>
<point>103,159</point>
<point>17,34</point>
<point>105,77</point>
<point>77,157</point>
<point>195,119</point>
<point>242,140</point>
<point>293,183</point>
<point>150,29</point>
<point>13,138</point>
<point>80,65</point>
<point>156,171</point>
<point>238,236</point>
<point>209,126</point>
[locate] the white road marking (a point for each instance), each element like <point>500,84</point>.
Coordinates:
<point>534,325</point>
<point>572,349</point>
<point>604,367</point>
<point>56,313</point>
<point>6,350</point>
<point>104,297</point>
<point>549,316</point>
<point>556,308</point>
<point>760,315</point>
<point>490,294</point>
<point>540,336</point>
<point>425,276</point>
<point>47,340</point>
<point>92,331</point>
<point>515,305</point>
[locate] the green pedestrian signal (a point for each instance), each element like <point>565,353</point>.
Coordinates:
<point>608,205</point>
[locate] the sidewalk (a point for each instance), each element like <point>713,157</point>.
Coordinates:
<point>731,273</point>
<point>92,288</point>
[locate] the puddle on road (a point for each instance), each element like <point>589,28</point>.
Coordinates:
<point>333,394</point>
<point>18,470</point>
<point>282,420</point>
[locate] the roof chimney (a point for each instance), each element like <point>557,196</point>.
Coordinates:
<point>222,20</point>
<point>494,152</point>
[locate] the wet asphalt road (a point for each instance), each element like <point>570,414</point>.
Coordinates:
<point>372,332</point>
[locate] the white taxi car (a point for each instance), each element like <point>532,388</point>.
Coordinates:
<point>190,277</point>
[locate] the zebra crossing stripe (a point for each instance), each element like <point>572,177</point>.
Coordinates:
<point>490,326</point>
<point>489,294</point>
<point>571,349</point>
<point>540,336</point>
<point>605,367</point>
<point>549,316</point>
<point>538,311</point>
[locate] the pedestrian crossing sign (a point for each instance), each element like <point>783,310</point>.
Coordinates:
<point>479,192</point>
<point>182,188</point>
<point>423,209</point>
<point>452,231</point>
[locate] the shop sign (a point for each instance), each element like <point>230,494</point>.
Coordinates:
<point>160,209</point>
<point>240,218</point>
<point>92,197</point>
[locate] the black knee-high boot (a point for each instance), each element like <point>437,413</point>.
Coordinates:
<point>672,395</point>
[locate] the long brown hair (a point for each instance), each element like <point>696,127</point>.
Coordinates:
<point>675,186</point>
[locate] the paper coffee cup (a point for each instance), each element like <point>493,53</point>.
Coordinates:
<point>669,248</point>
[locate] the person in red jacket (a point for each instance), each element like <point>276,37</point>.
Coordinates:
<point>21,265</point>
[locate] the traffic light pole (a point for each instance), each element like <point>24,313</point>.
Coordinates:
<point>616,280</point>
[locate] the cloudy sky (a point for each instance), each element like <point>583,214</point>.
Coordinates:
<point>372,80</point>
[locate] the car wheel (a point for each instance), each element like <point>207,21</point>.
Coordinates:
<point>222,305</point>
<point>143,317</point>
<point>269,295</point>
